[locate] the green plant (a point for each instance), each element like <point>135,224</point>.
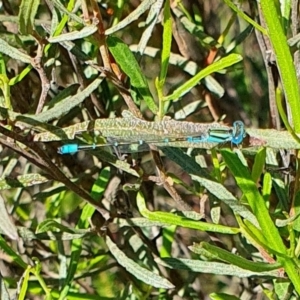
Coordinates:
<point>98,226</point>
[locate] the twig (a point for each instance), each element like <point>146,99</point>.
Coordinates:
<point>37,64</point>
<point>164,179</point>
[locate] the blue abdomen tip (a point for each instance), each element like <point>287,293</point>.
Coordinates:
<point>68,149</point>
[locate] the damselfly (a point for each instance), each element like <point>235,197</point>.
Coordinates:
<point>235,135</point>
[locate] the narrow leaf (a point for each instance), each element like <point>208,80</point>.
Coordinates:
<point>4,295</point>
<point>14,53</point>
<point>60,7</point>
<point>13,255</point>
<point>234,259</point>
<point>245,17</point>
<point>222,296</point>
<point>255,200</point>
<point>210,267</point>
<point>74,35</point>
<point>136,270</point>
<point>66,105</point>
<point>172,219</point>
<point>131,17</point>
<point>7,227</point>
<point>22,181</point>
<point>259,163</point>
<point>27,12</point>
<point>215,67</point>
<point>130,67</point>
<point>167,40</point>
<point>283,58</point>
<point>272,138</point>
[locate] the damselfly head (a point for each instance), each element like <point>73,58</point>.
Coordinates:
<point>239,132</point>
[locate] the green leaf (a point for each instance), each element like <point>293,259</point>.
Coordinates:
<point>4,86</point>
<point>135,269</point>
<point>16,258</point>
<point>267,186</point>
<point>168,237</point>
<point>4,295</point>
<point>52,225</point>
<point>215,67</point>
<point>20,76</point>
<point>259,163</point>
<point>130,67</point>
<point>222,296</point>
<point>66,105</point>
<point>284,59</point>
<point>296,222</point>
<point>272,138</point>
<point>14,53</point>
<point>7,227</point>
<point>165,56</point>
<point>285,120</point>
<point>167,40</point>
<point>98,189</point>
<point>27,12</point>
<point>67,11</point>
<point>131,17</point>
<point>257,203</point>
<point>245,17</point>
<point>24,285</point>
<point>22,181</point>
<point>64,94</point>
<point>210,267</point>
<point>74,35</point>
<point>213,252</point>
<point>255,200</point>
<point>172,219</point>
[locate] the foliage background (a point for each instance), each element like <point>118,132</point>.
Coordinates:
<point>67,249</point>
